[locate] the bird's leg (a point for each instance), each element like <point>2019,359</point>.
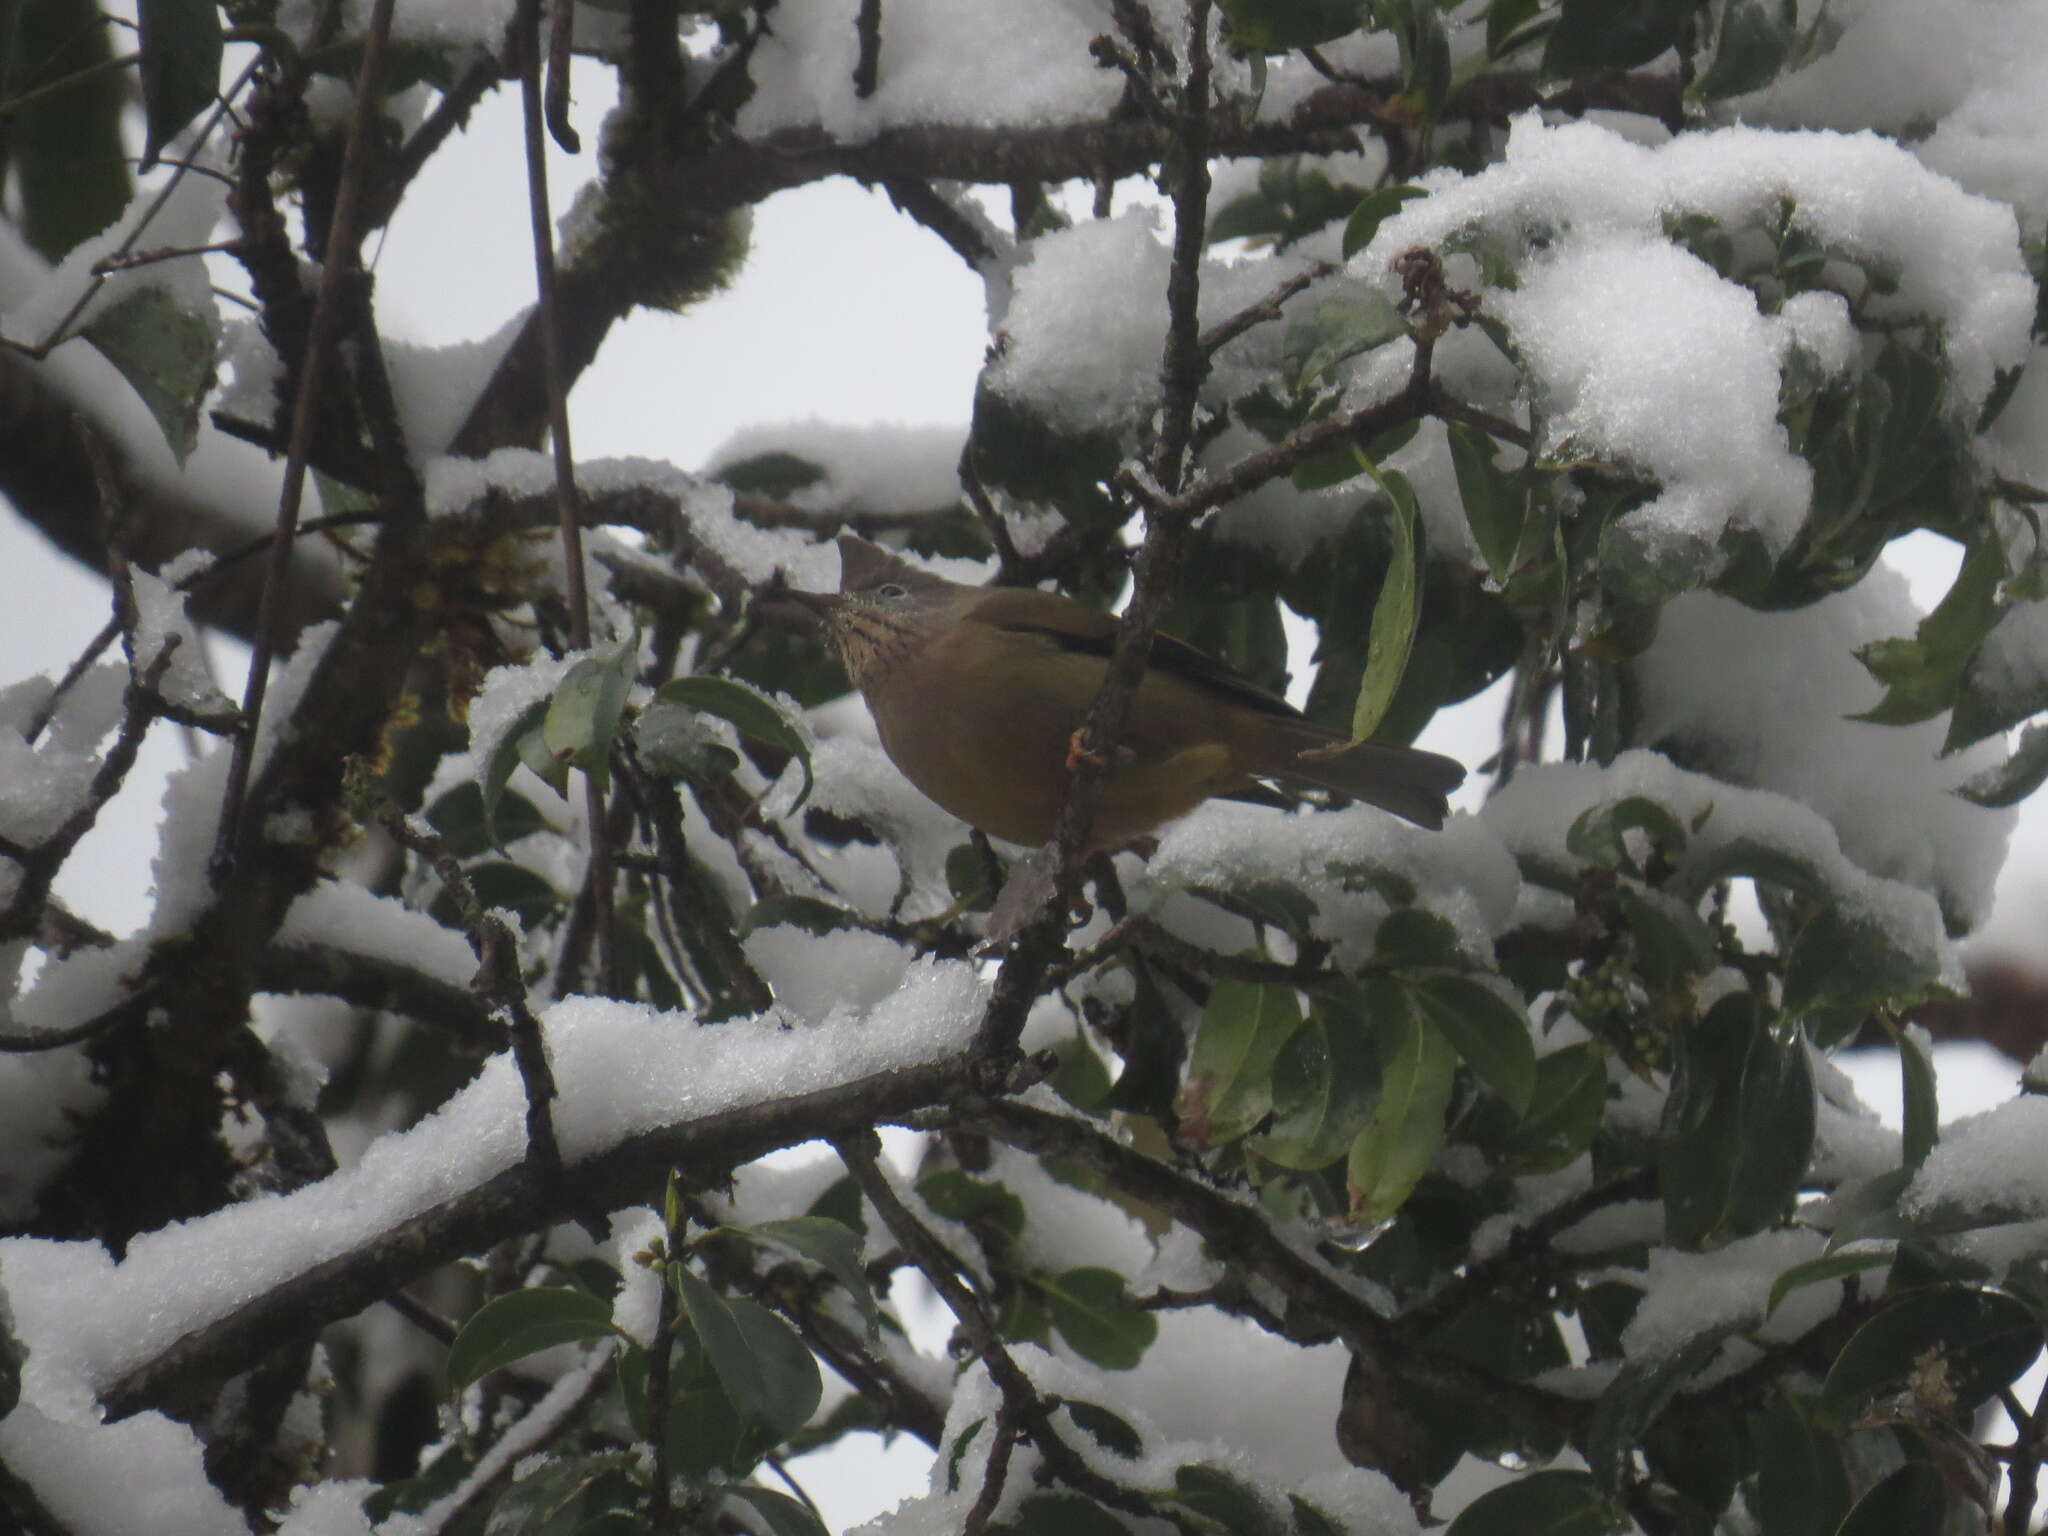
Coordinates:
<point>1079,752</point>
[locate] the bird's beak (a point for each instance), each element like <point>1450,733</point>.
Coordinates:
<point>798,609</point>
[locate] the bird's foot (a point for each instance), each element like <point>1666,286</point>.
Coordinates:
<point>1078,751</point>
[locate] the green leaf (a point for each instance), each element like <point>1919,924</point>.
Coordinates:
<point>977,1203</point>
<point>1505,20</point>
<point>1640,1391</point>
<point>1841,958</point>
<point>1415,938</point>
<point>1152,1041</point>
<point>1802,1486</point>
<point>1056,1513</point>
<point>2014,779</point>
<point>1312,1519</point>
<point>11,1355</point>
<point>968,878</point>
<point>1229,1084</point>
<point>521,1323</point>
<point>558,1496</point>
<point>1490,1033</point>
<point>1913,1501</point>
<point>1922,1102</point>
<point>1425,52</point>
<point>1278,904</point>
<point>1565,1110</point>
<point>535,757</point>
<point>1090,1310</point>
<point>1832,1266</point>
<point>1372,211</point>
<point>583,717</point>
<point>810,913</point>
<point>1594,36</point>
<point>1747,858</point>
<point>1738,1126</point>
<point>1496,500</point>
<point>1753,48</point>
<point>1983,1338</point>
<point>961,1444</point>
<point>65,156</point>
<point>459,817</point>
<point>1417,1070</point>
<point>166,355</point>
<point>1672,944</point>
<point>499,884</point>
<point>181,49</point>
<point>777,473</point>
<point>1392,887</point>
<point>1600,835</point>
<point>1325,1084</point>
<point>1922,675</point>
<point>1396,613</point>
<point>1870,1209</point>
<point>750,712</point>
<point>764,1367</point>
<point>706,1433</point>
<point>1082,1077</point>
<point>1320,339</point>
<point>832,1246</point>
<point>782,1515</point>
<point>1223,1500</point>
<point>1109,1430</point>
<point>1549,1503</point>
<point>676,742</point>
<point>1276,26</point>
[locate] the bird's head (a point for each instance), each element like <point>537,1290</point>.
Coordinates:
<point>885,608</point>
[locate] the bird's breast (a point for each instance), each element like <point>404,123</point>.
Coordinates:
<point>981,719</point>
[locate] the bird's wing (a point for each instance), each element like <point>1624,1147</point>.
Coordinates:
<point>1087,631</point>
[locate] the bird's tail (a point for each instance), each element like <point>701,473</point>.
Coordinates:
<point>1407,781</point>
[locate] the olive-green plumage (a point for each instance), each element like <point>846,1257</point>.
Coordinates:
<point>977,693</point>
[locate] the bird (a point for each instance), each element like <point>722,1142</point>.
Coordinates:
<point>978,694</point>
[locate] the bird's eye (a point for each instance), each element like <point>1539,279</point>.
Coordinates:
<point>892,589</point>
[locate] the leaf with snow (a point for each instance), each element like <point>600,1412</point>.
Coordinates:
<point>521,1323</point>
<point>1090,1309</point>
<point>181,53</point>
<point>749,711</point>
<point>165,353</point>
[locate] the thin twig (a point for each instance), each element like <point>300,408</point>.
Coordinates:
<point>942,1270</point>
<point>498,982</point>
<point>938,213</point>
<point>1182,369</point>
<point>660,1361</point>
<point>598,877</point>
<point>796,1489</point>
<point>339,268</point>
<point>867,26</point>
<point>1237,1235</point>
<point>561,52</point>
<point>450,113</point>
<point>57,87</point>
<point>1008,560</point>
<point>123,261</point>
<point>39,865</point>
<point>422,1317</point>
<point>1007,1431</point>
<point>2024,1470</point>
<point>47,710</point>
<point>1524,1246</point>
<point>60,332</point>
<point>1224,332</point>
